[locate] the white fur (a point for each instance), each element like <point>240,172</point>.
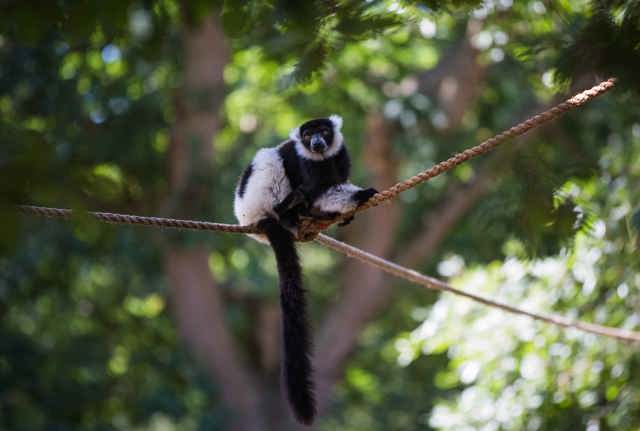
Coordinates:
<point>337,122</point>
<point>267,186</point>
<point>294,134</point>
<point>338,198</point>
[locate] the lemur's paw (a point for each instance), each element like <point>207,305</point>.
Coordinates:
<point>361,196</point>
<point>346,221</point>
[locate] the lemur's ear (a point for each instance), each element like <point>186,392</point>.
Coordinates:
<point>337,121</point>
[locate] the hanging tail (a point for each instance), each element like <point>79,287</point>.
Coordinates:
<point>297,343</point>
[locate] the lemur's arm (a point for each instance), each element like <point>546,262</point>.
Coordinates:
<point>338,200</point>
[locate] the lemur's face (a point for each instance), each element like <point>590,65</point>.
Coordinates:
<point>317,135</point>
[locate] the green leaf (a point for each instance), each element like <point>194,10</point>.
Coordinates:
<point>235,18</point>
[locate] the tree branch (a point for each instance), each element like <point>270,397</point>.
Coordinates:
<point>200,312</point>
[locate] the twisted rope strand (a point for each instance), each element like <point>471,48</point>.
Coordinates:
<point>433,283</point>
<point>114,218</point>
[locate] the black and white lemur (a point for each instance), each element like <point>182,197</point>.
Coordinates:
<point>305,175</point>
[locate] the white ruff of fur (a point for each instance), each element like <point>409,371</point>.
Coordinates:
<point>338,198</point>
<point>333,149</point>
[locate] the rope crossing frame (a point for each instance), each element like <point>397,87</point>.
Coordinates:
<point>310,229</point>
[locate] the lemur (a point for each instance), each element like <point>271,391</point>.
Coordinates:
<point>305,175</point>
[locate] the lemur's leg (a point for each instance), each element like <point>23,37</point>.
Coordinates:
<point>339,200</point>
<point>361,196</point>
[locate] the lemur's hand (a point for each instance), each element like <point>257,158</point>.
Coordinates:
<point>294,199</point>
<point>361,196</point>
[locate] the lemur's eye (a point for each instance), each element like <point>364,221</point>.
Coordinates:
<point>305,135</point>
<point>325,132</point>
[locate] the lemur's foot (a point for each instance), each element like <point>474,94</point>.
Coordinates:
<point>361,196</point>
<point>346,221</point>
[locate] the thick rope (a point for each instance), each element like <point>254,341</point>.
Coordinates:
<point>139,220</point>
<point>433,283</point>
<point>488,145</point>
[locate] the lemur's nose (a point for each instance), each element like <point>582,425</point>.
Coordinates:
<point>318,145</point>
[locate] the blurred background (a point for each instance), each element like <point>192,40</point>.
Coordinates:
<point>154,108</point>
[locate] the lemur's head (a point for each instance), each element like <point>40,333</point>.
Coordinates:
<point>318,139</point>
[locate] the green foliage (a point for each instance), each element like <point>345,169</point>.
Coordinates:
<point>609,43</point>
<point>87,109</point>
<point>517,373</point>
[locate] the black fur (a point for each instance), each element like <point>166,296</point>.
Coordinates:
<point>323,127</point>
<point>314,177</point>
<point>290,209</point>
<point>296,339</point>
<point>291,163</point>
<point>361,196</point>
<point>242,185</point>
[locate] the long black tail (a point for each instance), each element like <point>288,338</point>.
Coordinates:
<point>297,343</point>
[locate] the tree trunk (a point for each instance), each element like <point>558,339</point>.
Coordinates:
<point>196,298</point>
<point>455,83</point>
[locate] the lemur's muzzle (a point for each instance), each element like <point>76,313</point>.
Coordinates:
<point>318,145</point>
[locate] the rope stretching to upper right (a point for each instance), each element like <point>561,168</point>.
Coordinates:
<point>309,227</point>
